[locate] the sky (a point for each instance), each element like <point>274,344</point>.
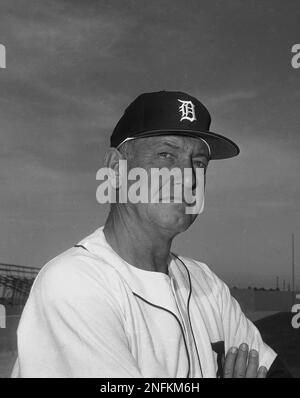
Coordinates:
<point>72,68</point>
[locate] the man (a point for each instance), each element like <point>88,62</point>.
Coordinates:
<point>120,303</point>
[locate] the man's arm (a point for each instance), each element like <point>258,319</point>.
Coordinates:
<point>72,327</point>
<point>239,329</point>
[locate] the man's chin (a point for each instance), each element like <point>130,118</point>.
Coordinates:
<point>173,216</point>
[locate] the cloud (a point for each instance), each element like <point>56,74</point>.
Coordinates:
<point>227,98</point>
<point>72,68</point>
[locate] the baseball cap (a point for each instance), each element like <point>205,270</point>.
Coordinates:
<point>171,113</point>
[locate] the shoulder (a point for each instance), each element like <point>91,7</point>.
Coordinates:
<point>75,273</point>
<point>203,275</point>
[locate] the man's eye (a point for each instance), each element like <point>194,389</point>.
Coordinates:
<point>166,155</point>
<point>199,163</point>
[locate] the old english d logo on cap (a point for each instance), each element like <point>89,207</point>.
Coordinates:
<point>171,113</point>
<point>187,109</point>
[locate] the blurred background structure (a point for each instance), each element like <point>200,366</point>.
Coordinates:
<point>15,283</point>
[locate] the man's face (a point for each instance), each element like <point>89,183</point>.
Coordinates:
<point>169,152</point>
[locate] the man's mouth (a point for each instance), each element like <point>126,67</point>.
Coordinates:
<point>177,200</point>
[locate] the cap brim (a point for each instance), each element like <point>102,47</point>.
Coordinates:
<point>221,147</point>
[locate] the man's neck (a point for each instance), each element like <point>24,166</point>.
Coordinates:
<point>137,243</point>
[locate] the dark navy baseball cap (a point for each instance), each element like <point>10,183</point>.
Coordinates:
<point>171,113</point>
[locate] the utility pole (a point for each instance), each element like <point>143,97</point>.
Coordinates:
<point>293,264</point>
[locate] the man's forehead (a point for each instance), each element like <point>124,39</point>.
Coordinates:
<point>175,141</point>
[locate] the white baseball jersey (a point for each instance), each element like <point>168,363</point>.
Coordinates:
<point>91,314</point>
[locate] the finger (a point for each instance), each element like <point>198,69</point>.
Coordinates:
<point>252,367</point>
<point>241,361</point>
<point>262,372</point>
<point>230,362</point>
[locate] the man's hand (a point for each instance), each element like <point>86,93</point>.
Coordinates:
<point>238,363</point>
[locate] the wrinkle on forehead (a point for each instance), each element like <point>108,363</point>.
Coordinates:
<point>189,144</point>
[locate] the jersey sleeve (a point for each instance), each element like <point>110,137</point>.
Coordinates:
<point>72,327</point>
<point>239,329</point>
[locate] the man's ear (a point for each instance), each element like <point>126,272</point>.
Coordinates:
<point>111,158</point>
<point>111,162</point>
